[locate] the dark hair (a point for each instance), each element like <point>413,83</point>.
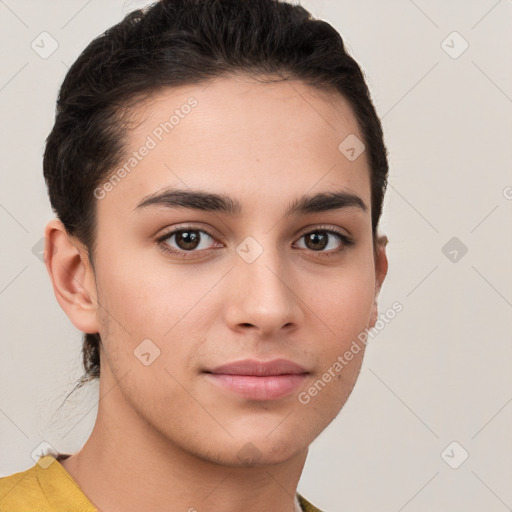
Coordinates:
<point>181,42</point>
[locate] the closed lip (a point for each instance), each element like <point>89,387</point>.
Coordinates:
<point>259,368</point>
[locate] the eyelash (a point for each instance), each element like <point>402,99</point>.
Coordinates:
<point>346,241</point>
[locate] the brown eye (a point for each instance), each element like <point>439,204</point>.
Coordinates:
<point>322,239</point>
<point>187,240</point>
<point>179,242</point>
<point>316,241</point>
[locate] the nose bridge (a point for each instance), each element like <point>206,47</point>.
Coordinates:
<point>261,281</point>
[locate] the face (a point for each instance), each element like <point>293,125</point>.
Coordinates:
<point>238,263</point>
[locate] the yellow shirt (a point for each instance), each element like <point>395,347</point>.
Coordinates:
<point>48,487</point>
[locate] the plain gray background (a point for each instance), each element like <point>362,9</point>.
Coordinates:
<point>436,382</point>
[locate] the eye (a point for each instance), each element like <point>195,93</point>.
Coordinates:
<point>191,242</point>
<point>185,240</point>
<point>326,240</point>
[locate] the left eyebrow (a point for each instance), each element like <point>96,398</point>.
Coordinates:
<point>325,201</point>
<point>206,201</point>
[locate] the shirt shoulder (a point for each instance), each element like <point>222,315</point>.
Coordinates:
<point>305,505</point>
<point>48,487</point>
<point>45,487</point>
<point>21,491</point>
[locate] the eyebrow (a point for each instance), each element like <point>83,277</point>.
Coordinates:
<point>210,202</point>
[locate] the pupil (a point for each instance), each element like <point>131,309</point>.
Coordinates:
<point>315,238</point>
<point>187,240</point>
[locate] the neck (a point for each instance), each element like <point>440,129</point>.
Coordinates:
<point>143,470</point>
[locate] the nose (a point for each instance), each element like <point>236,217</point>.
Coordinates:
<point>262,296</point>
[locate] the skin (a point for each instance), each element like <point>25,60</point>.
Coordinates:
<point>164,434</point>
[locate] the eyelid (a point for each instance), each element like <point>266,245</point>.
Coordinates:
<point>345,239</point>
<point>188,226</point>
<point>183,227</point>
<point>210,233</point>
<point>323,227</point>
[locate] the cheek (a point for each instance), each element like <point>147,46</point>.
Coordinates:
<point>344,305</point>
<point>153,310</point>
<point>344,300</point>
<point>148,300</point>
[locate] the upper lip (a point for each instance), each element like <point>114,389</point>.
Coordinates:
<point>261,368</point>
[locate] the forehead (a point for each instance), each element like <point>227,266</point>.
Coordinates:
<point>238,135</point>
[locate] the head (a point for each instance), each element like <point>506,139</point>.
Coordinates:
<point>208,211</point>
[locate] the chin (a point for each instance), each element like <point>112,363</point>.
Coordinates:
<point>264,449</point>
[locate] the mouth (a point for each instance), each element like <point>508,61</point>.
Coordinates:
<point>259,380</point>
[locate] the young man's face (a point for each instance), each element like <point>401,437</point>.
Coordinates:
<point>242,283</point>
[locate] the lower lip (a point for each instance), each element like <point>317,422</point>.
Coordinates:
<point>270,387</point>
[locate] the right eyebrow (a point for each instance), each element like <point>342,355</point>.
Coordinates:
<point>195,199</point>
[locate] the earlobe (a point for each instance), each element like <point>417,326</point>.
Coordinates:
<point>381,270</point>
<point>72,276</point>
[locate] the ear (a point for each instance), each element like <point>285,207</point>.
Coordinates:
<point>72,276</point>
<point>381,269</point>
